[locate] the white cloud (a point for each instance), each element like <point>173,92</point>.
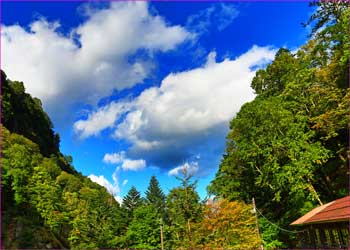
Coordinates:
<point>126,164</point>
<point>133,165</point>
<point>65,70</point>
<point>98,121</point>
<point>193,101</point>
<point>190,110</point>
<point>113,189</point>
<point>191,169</point>
<point>114,158</point>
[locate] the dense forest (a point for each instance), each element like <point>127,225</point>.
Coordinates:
<point>288,149</point>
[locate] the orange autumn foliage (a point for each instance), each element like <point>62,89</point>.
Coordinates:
<point>227,225</point>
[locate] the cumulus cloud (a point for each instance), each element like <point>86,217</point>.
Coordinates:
<point>218,16</point>
<point>98,56</point>
<point>126,164</point>
<point>113,189</point>
<point>190,168</point>
<point>100,120</point>
<point>133,164</point>
<point>190,112</point>
<point>114,158</point>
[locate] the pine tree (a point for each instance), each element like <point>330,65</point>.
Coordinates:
<point>132,200</point>
<point>155,195</point>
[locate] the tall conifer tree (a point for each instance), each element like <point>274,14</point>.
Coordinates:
<point>132,200</point>
<point>155,195</point>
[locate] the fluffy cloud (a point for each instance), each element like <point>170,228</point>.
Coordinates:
<point>114,158</point>
<point>191,169</point>
<point>126,164</point>
<point>113,189</point>
<point>94,59</point>
<point>133,164</point>
<point>100,120</point>
<point>190,112</point>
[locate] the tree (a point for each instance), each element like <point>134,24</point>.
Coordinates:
<point>273,79</point>
<point>184,209</point>
<point>19,156</point>
<point>22,114</point>
<point>144,230</point>
<point>227,225</point>
<point>292,140</point>
<point>330,33</point>
<point>156,197</point>
<point>132,200</point>
<point>45,193</point>
<point>82,221</point>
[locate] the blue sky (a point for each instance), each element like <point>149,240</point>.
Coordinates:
<point>137,89</point>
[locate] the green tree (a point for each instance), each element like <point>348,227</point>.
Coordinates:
<point>19,156</point>
<point>156,197</point>
<point>131,201</point>
<point>273,79</point>
<point>184,209</point>
<point>292,140</point>
<point>45,193</point>
<point>22,114</point>
<point>144,230</point>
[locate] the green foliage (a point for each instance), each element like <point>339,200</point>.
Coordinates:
<point>19,156</point>
<point>273,79</point>
<point>45,194</point>
<point>132,200</point>
<point>156,197</point>
<point>183,208</point>
<point>68,182</point>
<point>72,210</point>
<point>289,147</point>
<point>269,235</point>
<point>24,115</point>
<point>144,230</point>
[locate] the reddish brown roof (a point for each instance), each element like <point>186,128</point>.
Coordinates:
<point>338,210</point>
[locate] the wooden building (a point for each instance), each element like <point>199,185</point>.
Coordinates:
<point>326,226</point>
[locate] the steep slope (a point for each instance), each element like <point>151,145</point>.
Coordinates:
<point>24,115</point>
<point>46,203</point>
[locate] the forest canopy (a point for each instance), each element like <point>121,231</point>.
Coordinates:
<point>289,147</point>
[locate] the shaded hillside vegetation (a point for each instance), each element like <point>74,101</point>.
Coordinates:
<point>24,115</point>
<point>46,203</point>
<point>289,147</point>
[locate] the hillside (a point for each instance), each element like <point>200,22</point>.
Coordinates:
<point>46,203</point>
